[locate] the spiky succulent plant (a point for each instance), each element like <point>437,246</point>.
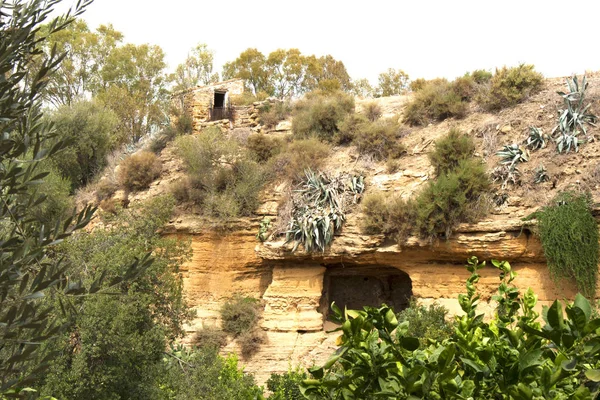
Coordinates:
<point>513,154</point>
<point>540,174</point>
<point>566,141</point>
<point>575,115</point>
<point>536,139</point>
<point>319,208</point>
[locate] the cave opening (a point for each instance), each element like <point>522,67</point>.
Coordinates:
<point>357,286</point>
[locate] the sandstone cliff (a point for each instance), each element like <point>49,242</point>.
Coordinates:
<point>296,288</point>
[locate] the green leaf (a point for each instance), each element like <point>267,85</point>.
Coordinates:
<point>583,303</point>
<point>593,375</point>
<point>409,343</point>
<point>555,315</point>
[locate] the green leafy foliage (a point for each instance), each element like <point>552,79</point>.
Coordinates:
<point>320,115</point>
<point>90,129</point>
<point>286,386</point>
<point>455,196</point>
<point>509,357</point>
<point>429,324</point>
<point>319,209</point>
<point>29,272</point>
<point>299,156</point>
<point>569,235</point>
<point>119,339</point>
<point>200,373</point>
<point>392,82</point>
<point>510,86</point>
<point>263,229</point>
<point>263,147</point>
<point>450,150</point>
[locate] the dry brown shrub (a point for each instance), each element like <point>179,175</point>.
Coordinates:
<point>139,170</point>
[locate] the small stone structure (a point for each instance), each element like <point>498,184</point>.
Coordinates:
<point>211,105</point>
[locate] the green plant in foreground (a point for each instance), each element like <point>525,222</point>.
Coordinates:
<point>319,209</point>
<point>569,235</point>
<point>509,357</point>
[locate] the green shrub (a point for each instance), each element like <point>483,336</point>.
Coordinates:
<point>299,156</point>
<point>239,314</point>
<point>222,178</point>
<point>139,170</point>
<point>448,200</point>
<point>349,128</point>
<point>263,147</point>
<point>417,84</point>
<point>450,150</point>
<point>372,111</point>
<point>202,374</point>
<point>427,323</point>
<point>211,337</point>
<point>90,128</point>
<point>436,101</point>
<point>251,341</point>
<point>569,235</point>
<point>481,76</point>
<point>184,124</point>
<point>319,115</point>
<point>390,215</point>
<point>271,114</point>
<point>164,137</point>
<point>379,140</point>
<point>286,386</point>
<point>510,86</point>
<point>465,87</point>
<point>58,204</point>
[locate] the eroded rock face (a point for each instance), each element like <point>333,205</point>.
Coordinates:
<point>297,288</point>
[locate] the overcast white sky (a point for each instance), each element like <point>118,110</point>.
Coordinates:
<point>425,38</point>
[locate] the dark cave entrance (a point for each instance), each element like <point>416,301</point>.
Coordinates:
<point>358,286</point>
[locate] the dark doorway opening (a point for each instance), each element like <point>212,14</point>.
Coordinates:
<point>219,100</point>
<point>355,287</point>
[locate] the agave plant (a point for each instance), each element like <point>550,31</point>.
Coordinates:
<point>566,141</point>
<point>540,174</point>
<point>575,115</point>
<point>319,208</point>
<point>536,139</point>
<point>512,155</point>
<point>506,175</point>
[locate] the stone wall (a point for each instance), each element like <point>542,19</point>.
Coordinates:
<point>197,101</point>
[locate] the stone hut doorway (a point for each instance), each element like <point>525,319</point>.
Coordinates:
<point>219,100</point>
<point>358,286</point>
